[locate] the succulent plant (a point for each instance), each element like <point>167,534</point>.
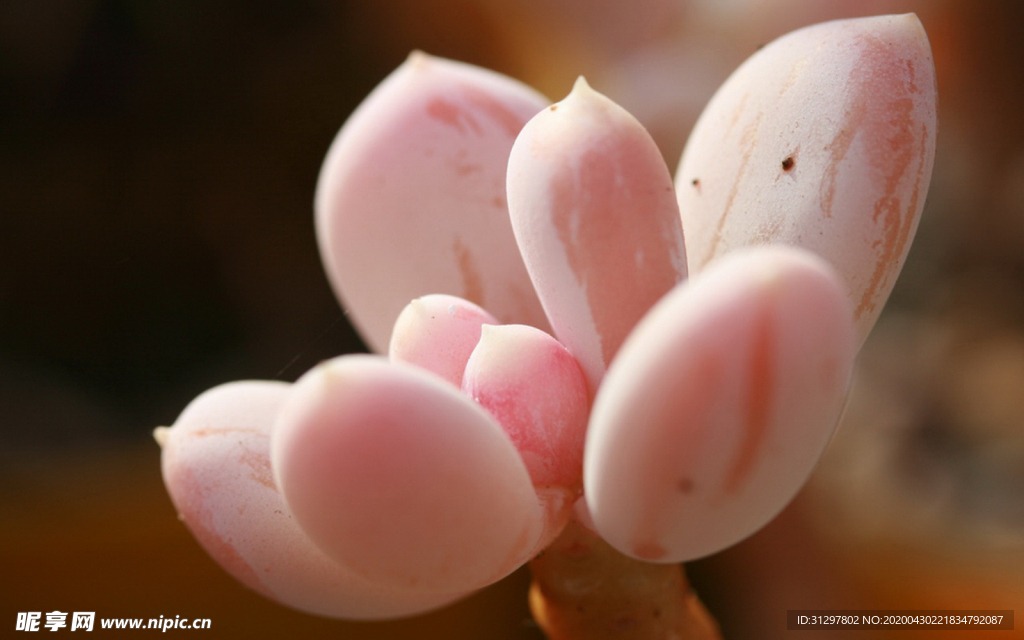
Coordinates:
<point>578,345</point>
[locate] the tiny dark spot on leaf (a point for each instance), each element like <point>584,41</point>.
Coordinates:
<point>788,163</point>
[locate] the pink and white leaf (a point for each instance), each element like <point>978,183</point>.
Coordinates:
<point>535,389</point>
<point>595,216</point>
<point>400,478</point>
<point>216,466</point>
<point>438,333</point>
<point>823,139</point>
<point>411,198</point>
<point>719,405</point>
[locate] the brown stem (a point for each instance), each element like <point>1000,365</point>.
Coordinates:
<point>583,589</point>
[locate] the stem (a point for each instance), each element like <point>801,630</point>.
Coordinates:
<point>583,589</point>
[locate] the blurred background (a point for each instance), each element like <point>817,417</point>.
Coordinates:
<point>157,168</point>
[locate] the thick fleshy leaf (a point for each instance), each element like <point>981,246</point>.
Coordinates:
<point>823,139</point>
<point>595,216</point>
<point>535,389</point>
<point>401,478</point>
<point>216,465</point>
<point>438,333</point>
<point>411,197</point>
<point>719,405</point>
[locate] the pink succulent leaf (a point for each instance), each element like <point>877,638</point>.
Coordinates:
<point>595,216</point>
<point>719,405</point>
<point>823,139</point>
<point>411,198</point>
<point>535,389</point>
<point>399,477</point>
<point>216,466</point>
<point>438,333</point>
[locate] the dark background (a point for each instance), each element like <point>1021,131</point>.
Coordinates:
<point>157,168</point>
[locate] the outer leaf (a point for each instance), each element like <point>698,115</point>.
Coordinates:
<point>719,405</point>
<point>216,465</point>
<point>411,197</point>
<point>824,139</point>
<point>401,478</point>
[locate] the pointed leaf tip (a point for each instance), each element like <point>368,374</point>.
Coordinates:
<point>160,435</point>
<point>594,214</point>
<point>581,86</point>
